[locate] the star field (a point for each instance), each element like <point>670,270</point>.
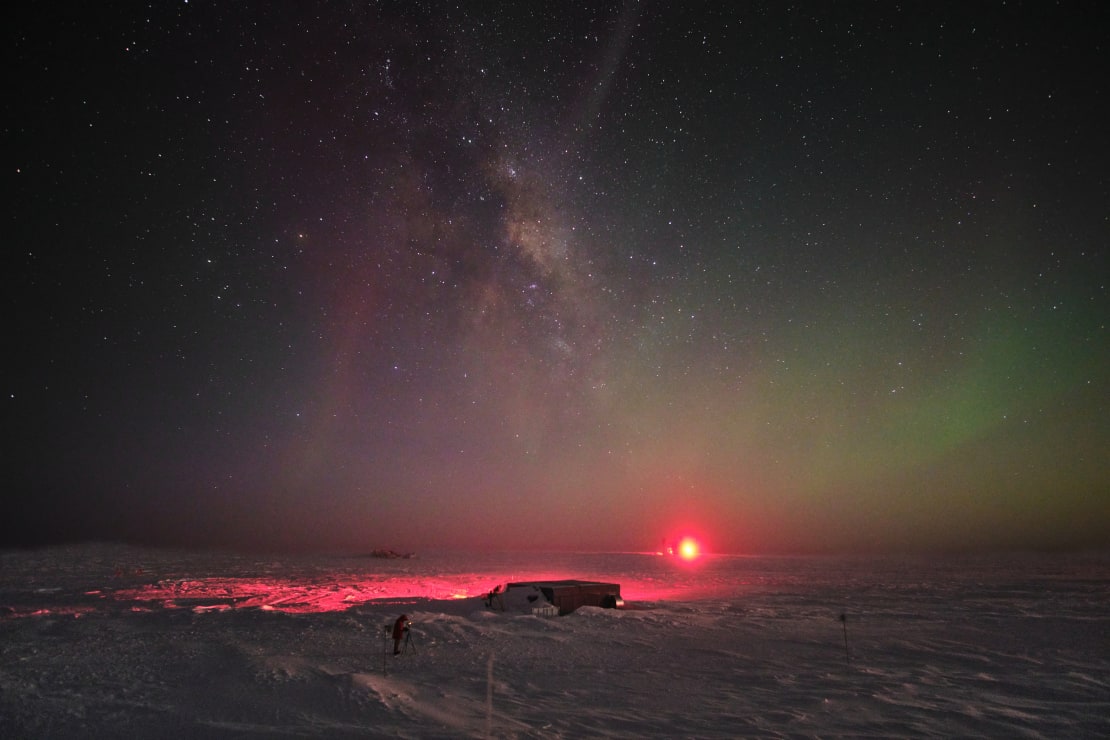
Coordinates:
<point>580,275</point>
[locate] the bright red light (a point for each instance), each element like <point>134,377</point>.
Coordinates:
<point>688,548</point>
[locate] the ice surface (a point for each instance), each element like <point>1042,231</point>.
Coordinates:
<point>105,641</point>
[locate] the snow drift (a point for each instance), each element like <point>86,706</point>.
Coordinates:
<point>104,641</point>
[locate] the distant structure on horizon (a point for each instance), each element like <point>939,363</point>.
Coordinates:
<point>390,554</point>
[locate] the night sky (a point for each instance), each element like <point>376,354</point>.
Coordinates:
<point>334,276</point>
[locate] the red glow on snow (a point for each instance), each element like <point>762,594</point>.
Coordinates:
<point>651,580</point>
<point>664,580</point>
<point>297,595</point>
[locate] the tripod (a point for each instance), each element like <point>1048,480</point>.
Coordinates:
<point>400,649</point>
<point>408,642</point>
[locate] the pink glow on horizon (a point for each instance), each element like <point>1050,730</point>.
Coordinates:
<point>689,549</point>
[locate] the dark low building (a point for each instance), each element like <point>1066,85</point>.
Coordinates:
<point>568,595</point>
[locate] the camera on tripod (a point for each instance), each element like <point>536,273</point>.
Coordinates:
<point>400,631</point>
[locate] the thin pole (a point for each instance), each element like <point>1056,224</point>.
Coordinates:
<point>844,622</point>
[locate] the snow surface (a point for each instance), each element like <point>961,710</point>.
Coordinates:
<point>108,641</point>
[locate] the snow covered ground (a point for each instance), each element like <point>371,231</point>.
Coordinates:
<point>108,641</point>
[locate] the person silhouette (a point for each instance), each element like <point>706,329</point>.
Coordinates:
<point>400,627</point>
